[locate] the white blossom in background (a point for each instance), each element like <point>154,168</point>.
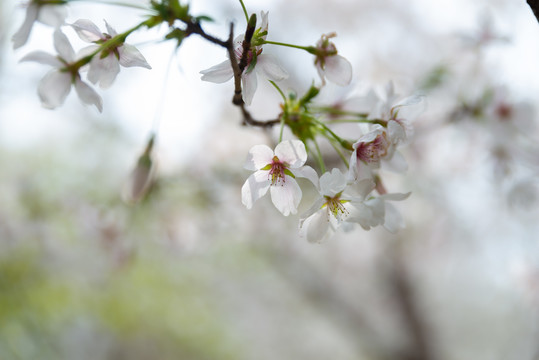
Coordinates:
<point>56,85</point>
<point>258,63</point>
<point>276,171</point>
<point>39,10</point>
<point>105,67</point>
<point>330,64</point>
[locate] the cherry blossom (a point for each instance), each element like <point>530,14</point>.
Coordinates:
<point>342,204</point>
<point>56,85</point>
<point>330,64</point>
<point>49,12</point>
<point>373,148</point>
<point>258,63</point>
<point>105,67</point>
<point>276,171</point>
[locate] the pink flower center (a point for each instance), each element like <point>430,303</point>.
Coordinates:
<point>277,172</point>
<point>373,151</point>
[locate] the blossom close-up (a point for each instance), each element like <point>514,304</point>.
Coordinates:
<point>329,64</point>
<point>105,66</point>
<point>52,13</point>
<point>56,85</point>
<point>265,65</point>
<point>276,171</point>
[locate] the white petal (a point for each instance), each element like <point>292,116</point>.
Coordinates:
<point>338,70</point>
<point>308,173</point>
<point>88,95</point>
<point>361,214</point>
<point>63,47</point>
<point>103,71</point>
<point>54,88</point>
<point>219,73</point>
<point>87,30</point>
<point>130,56</point>
<point>332,183</point>
<point>43,58</point>
<point>396,163</point>
<point>393,219</point>
<point>316,227</point>
<point>258,157</point>
<point>21,36</point>
<point>254,188</point>
<point>249,82</point>
<point>85,51</point>
<point>111,31</point>
<point>264,21</point>
<point>52,15</point>
<point>286,197</point>
<point>270,68</point>
<point>395,196</point>
<point>291,152</point>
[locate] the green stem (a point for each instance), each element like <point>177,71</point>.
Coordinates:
<point>341,155</point>
<point>244,11</point>
<point>309,49</point>
<point>320,158</point>
<point>278,89</point>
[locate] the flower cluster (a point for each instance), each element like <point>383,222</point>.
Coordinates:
<point>101,60</point>
<point>348,196</point>
<point>354,197</point>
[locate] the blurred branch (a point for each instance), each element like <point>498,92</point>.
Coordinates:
<point>406,300</point>
<point>534,4</point>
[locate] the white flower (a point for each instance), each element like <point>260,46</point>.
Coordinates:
<point>104,67</point>
<point>47,12</point>
<point>277,171</point>
<point>341,205</point>
<point>338,203</point>
<point>329,64</point>
<point>372,149</point>
<point>56,85</point>
<point>257,64</point>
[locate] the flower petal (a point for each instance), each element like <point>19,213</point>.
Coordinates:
<point>258,157</point>
<point>254,188</point>
<point>111,31</point>
<point>130,56</point>
<point>21,36</point>
<point>393,219</point>
<point>270,68</point>
<point>219,73</point>
<point>338,70</point>
<point>291,152</point>
<point>396,163</point>
<point>308,173</point>
<point>87,30</point>
<point>103,71</point>
<point>52,15</point>
<point>316,227</point>
<point>286,197</point>
<point>54,88</point>
<point>42,57</point>
<point>88,95</point>
<point>332,183</point>
<point>249,83</point>
<point>63,47</point>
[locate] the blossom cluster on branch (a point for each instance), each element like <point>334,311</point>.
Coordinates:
<point>349,195</point>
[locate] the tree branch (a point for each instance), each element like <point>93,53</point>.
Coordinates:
<point>534,5</point>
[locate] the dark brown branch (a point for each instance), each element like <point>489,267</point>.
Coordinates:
<point>237,67</point>
<point>534,4</point>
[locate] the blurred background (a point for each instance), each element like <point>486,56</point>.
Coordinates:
<point>188,273</point>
